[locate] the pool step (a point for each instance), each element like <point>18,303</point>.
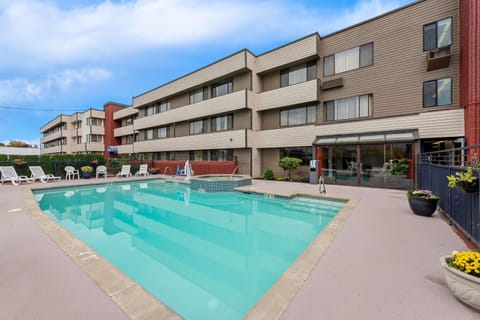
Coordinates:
<point>314,206</point>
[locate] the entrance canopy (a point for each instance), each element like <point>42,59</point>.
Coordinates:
<point>370,137</point>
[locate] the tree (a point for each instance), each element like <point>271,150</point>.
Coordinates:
<point>289,164</point>
<point>2,144</point>
<point>18,144</point>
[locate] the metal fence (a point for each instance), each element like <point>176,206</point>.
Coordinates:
<point>462,209</point>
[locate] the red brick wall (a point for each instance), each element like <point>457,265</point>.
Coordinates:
<point>470,68</point>
<point>199,167</point>
<point>110,124</point>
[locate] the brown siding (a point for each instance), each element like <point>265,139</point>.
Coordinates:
<point>182,129</point>
<point>179,101</point>
<point>241,120</point>
<point>243,158</point>
<point>270,119</point>
<point>399,70</point>
<point>271,81</point>
<point>242,81</point>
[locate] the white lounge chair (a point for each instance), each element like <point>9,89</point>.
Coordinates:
<point>125,171</point>
<point>101,170</point>
<point>71,172</point>
<point>38,173</point>
<point>9,174</point>
<point>143,170</point>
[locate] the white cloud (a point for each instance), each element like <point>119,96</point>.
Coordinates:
<point>20,89</point>
<point>34,31</point>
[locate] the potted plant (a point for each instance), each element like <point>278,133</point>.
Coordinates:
<point>397,167</point>
<point>462,274</point>
<point>86,172</point>
<point>422,202</point>
<point>466,181</point>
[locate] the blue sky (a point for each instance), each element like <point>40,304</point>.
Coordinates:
<point>66,56</point>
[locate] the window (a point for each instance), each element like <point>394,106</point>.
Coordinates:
<point>77,140</point>
<point>163,132</point>
<point>347,60</point>
<point>129,121</point>
<point>437,92</point>
<point>437,34</point>
<point>198,95</point>
<point>222,88</point>
<point>348,108</point>
<point>222,155</point>
<point>95,122</point>
<point>303,153</point>
<point>129,139</point>
<point>301,73</point>
<point>222,123</point>
<point>149,111</point>
<point>199,126</point>
<point>161,155</point>
<point>298,116</point>
<point>199,155</point>
<point>161,106</point>
<point>149,134</point>
<point>94,138</point>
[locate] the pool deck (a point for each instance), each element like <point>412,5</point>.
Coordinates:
<point>382,263</point>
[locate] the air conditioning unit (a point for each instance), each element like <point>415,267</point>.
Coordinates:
<point>438,58</point>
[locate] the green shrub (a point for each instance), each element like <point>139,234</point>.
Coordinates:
<point>268,174</point>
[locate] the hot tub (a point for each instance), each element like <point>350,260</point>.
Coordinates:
<point>219,182</point>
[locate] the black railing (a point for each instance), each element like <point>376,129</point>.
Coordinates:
<point>462,209</point>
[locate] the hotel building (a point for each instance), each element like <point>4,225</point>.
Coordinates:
<point>363,101</point>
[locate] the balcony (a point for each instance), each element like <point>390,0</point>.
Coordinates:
<point>230,102</point>
<point>125,113</point>
<point>438,58</point>
<point>287,96</point>
<point>215,140</point>
<point>51,137</point>
<point>125,149</point>
<point>123,131</point>
<point>87,147</point>
<point>97,130</point>
<point>56,149</point>
<point>302,49</point>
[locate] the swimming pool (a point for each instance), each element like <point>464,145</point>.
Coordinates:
<point>207,256</point>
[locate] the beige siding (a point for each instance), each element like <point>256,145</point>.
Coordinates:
<point>399,70</point>
<point>287,96</point>
<point>218,140</point>
<point>123,131</point>
<point>179,101</point>
<point>52,137</point>
<point>97,114</point>
<point>54,122</point>
<point>299,50</point>
<point>226,103</point>
<point>125,149</point>
<point>97,147</point>
<point>214,71</point>
<point>56,149</point>
<point>182,129</point>
<point>98,130</point>
<point>124,113</point>
<point>271,81</point>
<point>448,123</point>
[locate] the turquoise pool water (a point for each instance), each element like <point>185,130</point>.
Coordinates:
<point>205,255</point>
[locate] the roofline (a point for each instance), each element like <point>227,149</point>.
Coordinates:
<point>71,115</point>
<point>289,43</point>
<point>116,103</point>
<point>374,18</point>
<point>186,75</point>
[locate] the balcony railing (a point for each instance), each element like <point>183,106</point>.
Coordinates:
<point>286,96</point>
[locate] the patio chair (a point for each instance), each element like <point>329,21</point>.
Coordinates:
<point>38,173</point>
<point>143,170</point>
<point>125,172</point>
<point>9,174</point>
<point>101,170</point>
<point>71,172</point>
<point>180,171</point>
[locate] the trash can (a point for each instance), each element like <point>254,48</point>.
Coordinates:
<point>313,171</point>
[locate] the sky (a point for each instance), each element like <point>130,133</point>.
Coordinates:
<point>67,56</point>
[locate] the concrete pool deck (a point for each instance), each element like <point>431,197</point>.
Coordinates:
<point>383,263</point>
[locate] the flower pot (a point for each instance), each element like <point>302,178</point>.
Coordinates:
<point>468,187</point>
<point>86,175</point>
<point>464,286</point>
<point>422,207</point>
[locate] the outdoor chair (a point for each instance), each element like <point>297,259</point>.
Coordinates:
<point>71,172</point>
<point>101,170</point>
<point>9,174</point>
<point>180,171</point>
<point>125,172</point>
<point>38,173</point>
<point>143,170</point>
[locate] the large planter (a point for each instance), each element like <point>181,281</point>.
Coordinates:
<point>422,207</point>
<point>468,187</point>
<point>464,286</point>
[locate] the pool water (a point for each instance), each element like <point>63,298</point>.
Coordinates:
<point>205,255</point>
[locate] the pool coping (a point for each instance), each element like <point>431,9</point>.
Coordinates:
<point>138,303</point>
